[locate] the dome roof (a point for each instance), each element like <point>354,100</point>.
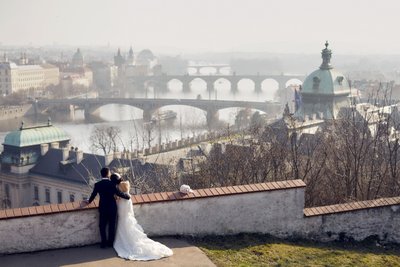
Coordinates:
<point>77,56</point>
<point>326,80</point>
<point>35,136</point>
<point>145,54</point>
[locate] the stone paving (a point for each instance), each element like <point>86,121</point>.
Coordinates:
<point>92,256</point>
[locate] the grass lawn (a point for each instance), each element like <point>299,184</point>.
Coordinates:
<point>261,250</point>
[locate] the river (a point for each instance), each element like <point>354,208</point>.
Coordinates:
<point>190,121</point>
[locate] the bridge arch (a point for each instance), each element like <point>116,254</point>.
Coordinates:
<point>208,70</point>
<point>246,85</point>
<point>229,114</point>
<point>222,87</point>
<point>293,81</point>
<point>269,84</point>
<point>225,70</point>
<point>185,111</point>
<point>269,88</point>
<point>127,111</point>
<point>191,70</point>
<point>175,85</point>
<point>198,85</point>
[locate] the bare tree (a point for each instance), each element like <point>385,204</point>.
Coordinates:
<point>105,139</point>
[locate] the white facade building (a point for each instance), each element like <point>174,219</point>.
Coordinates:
<point>14,78</point>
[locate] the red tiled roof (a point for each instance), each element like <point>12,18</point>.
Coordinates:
<point>157,197</point>
<point>351,206</point>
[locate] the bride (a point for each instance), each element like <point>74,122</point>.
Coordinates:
<point>130,240</point>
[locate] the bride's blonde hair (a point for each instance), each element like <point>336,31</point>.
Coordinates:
<point>124,186</point>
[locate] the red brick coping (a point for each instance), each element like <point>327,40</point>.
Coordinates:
<point>351,206</point>
<point>156,197</point>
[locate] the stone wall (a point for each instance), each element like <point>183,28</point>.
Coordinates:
<point>278,212</point>
<point>358,221</point>
<point>58,230</point>
<point>275,208</point>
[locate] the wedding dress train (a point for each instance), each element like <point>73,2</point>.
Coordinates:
<point>130,240</point>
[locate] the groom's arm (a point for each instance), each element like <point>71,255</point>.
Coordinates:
<point>94,194</point>
<point>84,203</point>
<point>122,194</point>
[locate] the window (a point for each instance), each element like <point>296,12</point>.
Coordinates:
<point>71,197</point>
<point>7,190</point>
<point>316,82</point>
<point>6,203</point>
<point>340,79</point>
<point>59,197</point>
<point>47,193</point>
<point>36,192</point>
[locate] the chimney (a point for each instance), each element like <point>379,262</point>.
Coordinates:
<point>108,159</point>
<point>65,153</point>
<point>117,155</point>
<point>79,156</point>
<point>43,149</point>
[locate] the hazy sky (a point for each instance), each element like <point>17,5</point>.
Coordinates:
<point>351,26</point>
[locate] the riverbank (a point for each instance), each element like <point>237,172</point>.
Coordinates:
<point>16,111</point>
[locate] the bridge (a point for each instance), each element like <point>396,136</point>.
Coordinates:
<point>217,67</point>
<point>160,82</point>
<point>150,106</point>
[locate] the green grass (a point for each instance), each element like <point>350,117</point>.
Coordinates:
<point>260,250</point>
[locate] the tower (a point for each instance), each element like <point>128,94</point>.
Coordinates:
<point>325,91</point>
<point>119,59</point>
<point>131,58</point>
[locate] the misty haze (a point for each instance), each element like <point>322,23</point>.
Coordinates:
<point>232,133</point>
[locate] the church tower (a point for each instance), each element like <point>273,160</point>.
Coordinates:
<point>325,91</point>
<point>131,58</point>
<point>119,60</point>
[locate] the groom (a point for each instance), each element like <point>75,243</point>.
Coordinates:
<point>107,206</point>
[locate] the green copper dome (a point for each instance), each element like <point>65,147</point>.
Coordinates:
<point>35,136</point>
<point>326,80</point>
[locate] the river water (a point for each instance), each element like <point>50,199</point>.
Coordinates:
<point>190,121</point>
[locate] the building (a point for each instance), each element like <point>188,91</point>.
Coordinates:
<point>39,166</point>
<point>14,78</point>
<point>131,59</point>
<point>132,68</point>
<point>104,75</point>
<point>119,60</point>
<point>326,96</point>
<point>324,92</point>
<point>77,59</point>
<point>76,74</point>
<point>77,78</point>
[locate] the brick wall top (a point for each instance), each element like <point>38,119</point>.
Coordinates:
<point>351,206</point>
<point>156,197</point>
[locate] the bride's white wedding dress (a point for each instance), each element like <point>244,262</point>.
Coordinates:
<point>130,240</point>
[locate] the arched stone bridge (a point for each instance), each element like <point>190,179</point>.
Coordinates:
<point>149,106</point>
<point>217,67</point>
<point>160,82</point>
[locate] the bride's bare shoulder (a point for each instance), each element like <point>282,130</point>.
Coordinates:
<point>124,186</point>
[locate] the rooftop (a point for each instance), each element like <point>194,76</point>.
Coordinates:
<point>30,136</point>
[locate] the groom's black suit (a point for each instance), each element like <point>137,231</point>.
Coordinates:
<point>107,208</point>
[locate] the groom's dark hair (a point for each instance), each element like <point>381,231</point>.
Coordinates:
<point>104,172</point>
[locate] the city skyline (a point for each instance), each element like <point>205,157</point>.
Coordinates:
<point>178,26</point>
